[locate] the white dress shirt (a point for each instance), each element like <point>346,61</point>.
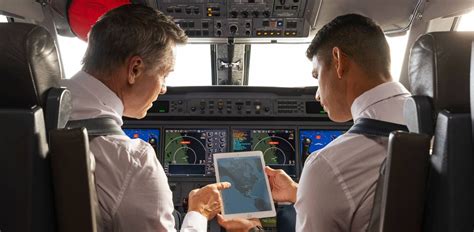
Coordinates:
<point>337,185</point>
<point>131,184</point>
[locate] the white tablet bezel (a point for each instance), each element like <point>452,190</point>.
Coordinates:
<point>259,214</point>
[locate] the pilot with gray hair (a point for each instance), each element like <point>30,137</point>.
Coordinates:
<point>128,57</point>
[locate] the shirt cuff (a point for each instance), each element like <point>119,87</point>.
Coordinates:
<point>194,221</point>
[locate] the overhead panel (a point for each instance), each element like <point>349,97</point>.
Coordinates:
<point>393,16</point>
<point>238,18</point>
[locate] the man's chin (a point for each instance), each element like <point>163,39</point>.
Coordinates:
<point>136,116</point>
<point>338,118</point>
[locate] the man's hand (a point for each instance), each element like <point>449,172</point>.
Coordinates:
<point>283,187</point>
<point>207,200</point>
<point>237,224</point>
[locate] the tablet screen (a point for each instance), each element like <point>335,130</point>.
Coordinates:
<point>249,192</point>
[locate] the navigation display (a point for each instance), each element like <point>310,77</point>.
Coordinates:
<point>189,151</point>
<point>152,136</point>
<point>277,146</point>
<point>313,140</point>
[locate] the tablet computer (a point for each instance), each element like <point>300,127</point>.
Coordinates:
<point>250,194</point>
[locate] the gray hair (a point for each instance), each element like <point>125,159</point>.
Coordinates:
<point>131,30</point>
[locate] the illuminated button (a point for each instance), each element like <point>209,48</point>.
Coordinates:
<point>209,15</point>
<point>294,33</point>
<point>265,33</point>
<point>280,23</point>
<point>259,33</point>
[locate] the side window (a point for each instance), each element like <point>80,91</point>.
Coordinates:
<point>465,23</point>
<point>72,50</point>
<point>398,46</point>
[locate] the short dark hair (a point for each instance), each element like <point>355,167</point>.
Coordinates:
<point>357,36</point>
<point>131,30</point>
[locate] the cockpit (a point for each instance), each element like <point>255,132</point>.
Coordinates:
<point>243,83</point>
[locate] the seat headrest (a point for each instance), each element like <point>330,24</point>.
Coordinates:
<point>439,68</point>
<point>29,65</point>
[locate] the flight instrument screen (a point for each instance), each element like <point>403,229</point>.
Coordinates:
<point>189,151</point>
<point>313,140</point>
<point>152,136</point>
<point>277,146</point>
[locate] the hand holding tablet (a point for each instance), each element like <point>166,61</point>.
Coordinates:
<point>250,194</point>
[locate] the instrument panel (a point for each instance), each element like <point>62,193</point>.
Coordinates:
<point>188,151</point>
<point>187,125</point>
<point>238,18</point>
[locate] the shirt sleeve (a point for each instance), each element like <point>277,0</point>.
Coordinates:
<point>322,204</point>
<point>147,202</point>
<point>194,222</point>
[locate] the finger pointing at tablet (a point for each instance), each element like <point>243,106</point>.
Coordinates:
<point>222,185</point>
<point>207,200</point>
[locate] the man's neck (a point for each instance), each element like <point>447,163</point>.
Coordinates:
<point>110,80</point>
<point>362,82</point>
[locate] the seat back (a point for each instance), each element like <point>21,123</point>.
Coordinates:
<point>439,69</point>
<point>72,163</point>
<point>438,72</point>
<point>401,187</point>
<point>29,67</point>
<point>32,105</point>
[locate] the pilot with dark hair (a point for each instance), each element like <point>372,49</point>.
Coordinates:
<point>351,61</point>
<point>129,55</point>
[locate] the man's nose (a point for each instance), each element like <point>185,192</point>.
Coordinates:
<point>317,97</point>
<point>163,89</point>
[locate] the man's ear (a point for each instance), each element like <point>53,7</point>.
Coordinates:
<point>136,68</point>
<point>340,61</point>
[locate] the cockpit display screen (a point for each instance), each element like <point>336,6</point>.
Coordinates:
<point>189,151</point>
<point>277,146</point>
<point>152,136</point>
<point>313,140</point>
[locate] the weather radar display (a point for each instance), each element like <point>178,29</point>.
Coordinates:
<point>277,146</point>
<point>189,151</point>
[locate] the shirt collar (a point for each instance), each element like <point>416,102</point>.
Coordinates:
<point>107,100</point>
<point>374,95</point>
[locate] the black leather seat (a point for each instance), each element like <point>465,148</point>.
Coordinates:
<point>32,107</point>
<point>426,190</point>
<point>29,67</point>
<point>439,70</point>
